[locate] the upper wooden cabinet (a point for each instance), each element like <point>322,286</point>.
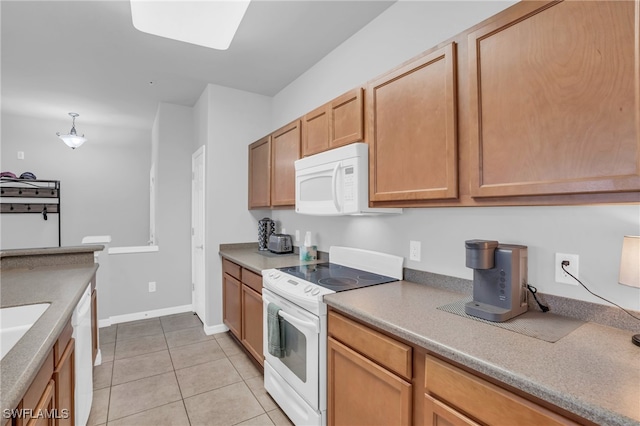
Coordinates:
<point>336,123</point>
<point>555,100</point>
<point>285,149</point>
<point>260,173</point>
<point>412,130</point>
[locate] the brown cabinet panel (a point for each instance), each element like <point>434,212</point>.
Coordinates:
<point>412,130</point>
<point>64,378</point>
<point>260,173</point>
<point>555,108</point>
<point>232,269</point>
<point>346,122</point>
<point>231,304</point>
<point>252,322</point>
<point>438,414</point>
<point>384,350</point>
<point>252,279</point>
<point>360,392</point>
<point>285,149</point>
<point>482,400</point>
<point>315,131</point>
<point>38,385</point>
<point>44,410</point>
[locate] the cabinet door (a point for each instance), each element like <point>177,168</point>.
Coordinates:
<point>252,322</point>
<point>315,131</point>
<point>285,149</point>
<point>346,123</point>
<point>43,414</point>
<point>438,414</point>
<point>412,130</point>
<point>359,391</point>
<point>231,306</point>
<point>64,378</point>
<point>260,173</point>
<point>555,107</point>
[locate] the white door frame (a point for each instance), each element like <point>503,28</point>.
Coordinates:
<point>198,260</point>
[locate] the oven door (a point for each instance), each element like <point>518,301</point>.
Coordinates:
<point>299,365</point>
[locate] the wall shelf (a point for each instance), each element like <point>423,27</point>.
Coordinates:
<point>31,196</point>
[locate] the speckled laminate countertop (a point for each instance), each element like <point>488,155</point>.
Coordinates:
<point>593,372</point>
<point>248,256</point>
<point>62,286</point>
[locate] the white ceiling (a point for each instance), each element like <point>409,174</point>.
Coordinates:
<point>86,57</point>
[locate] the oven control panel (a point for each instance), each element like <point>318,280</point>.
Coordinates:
<point>303,293</point>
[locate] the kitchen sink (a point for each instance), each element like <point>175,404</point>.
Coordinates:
<point>15,321</point>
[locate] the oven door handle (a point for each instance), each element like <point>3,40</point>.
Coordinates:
<point>308,325</point>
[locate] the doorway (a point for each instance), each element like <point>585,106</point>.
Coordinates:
<point>198,249</point>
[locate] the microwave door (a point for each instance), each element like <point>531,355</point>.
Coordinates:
<point>318,191</point>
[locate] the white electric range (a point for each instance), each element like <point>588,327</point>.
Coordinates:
<point>296,376</point>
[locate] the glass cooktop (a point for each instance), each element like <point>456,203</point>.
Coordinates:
<point>336,277</point>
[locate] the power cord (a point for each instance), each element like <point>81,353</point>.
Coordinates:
<point>566,263</point>
<point>533,291</point>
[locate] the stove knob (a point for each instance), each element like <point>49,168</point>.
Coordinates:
<point>315,292</point>
<point>307,289</point>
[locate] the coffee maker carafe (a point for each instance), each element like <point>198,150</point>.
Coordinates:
<point>499,280</point>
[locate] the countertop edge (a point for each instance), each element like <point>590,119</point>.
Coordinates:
<point>51,324</point>
<point>588,411</point>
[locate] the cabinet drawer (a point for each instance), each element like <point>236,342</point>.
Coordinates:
<point>482,400</point>
<point>252,279</point>
<point>384,350</point>
<point>231,268</point>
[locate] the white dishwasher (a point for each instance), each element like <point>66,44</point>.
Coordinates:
<point>81,322</point>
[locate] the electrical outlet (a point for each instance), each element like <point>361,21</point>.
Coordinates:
<point>414,250</point>
<point>297,235</point>
<point>572,267</point>
<point>20,155</point>
<point>152,286</point>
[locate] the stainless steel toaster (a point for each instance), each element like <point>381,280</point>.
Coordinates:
<point>280,243</point>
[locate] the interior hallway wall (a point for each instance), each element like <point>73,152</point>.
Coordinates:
<point>226,120</point>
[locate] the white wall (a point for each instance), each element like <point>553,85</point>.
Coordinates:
<point>225,120</point>
<point>404,30</point>
<point>104,183</point>
<point>593,232</point>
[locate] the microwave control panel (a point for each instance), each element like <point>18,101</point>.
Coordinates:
<point>349,184</point>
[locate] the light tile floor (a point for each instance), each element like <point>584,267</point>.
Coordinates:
<point>167,371</point>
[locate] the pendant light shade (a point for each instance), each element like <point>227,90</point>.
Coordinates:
<point>72,139</point>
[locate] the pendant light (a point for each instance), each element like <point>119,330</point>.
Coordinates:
<point>72,139</point>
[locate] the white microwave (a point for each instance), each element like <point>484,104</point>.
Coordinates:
<point>336,183</point>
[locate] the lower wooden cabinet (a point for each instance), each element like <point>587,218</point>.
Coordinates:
<point>376,379</point>
<point>242,306</point>
<point>363,392</point>
<point>232,306</point>
<point>438,414</point>
<point>49,400</point>
<point>456,391</point>
<point>252,322</point>
<point>45,405</point>
<point>359,390</point>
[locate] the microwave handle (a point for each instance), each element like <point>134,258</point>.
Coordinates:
<point>334,182</point>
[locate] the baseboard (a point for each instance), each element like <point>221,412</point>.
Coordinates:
<point>144,315</point>
<point>104,323</point>
<point>215,329</point>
